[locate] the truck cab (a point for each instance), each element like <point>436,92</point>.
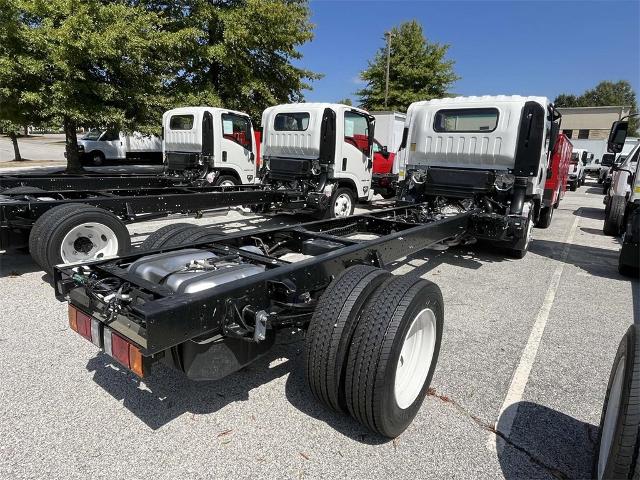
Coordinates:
<point>556,184</point>
<point>211,143</point>
<point>488,153</point>
<point>322,151</point>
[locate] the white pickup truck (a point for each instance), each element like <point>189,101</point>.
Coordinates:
<point>99,147</point>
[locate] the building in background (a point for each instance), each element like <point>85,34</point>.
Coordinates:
<point>590,123</point>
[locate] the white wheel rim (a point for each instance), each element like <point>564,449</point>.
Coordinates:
<point>342,205</point>
<point>97,159</point>
<point>227,183</point>
<point>88,241</point>
<point>611,417</point>
<point>415,358</point>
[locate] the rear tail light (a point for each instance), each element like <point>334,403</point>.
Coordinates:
<point>114,345</point>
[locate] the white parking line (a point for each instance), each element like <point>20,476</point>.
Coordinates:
<point>521,375</point>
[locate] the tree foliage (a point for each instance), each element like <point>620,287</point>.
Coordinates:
<point>606,93</point>
<point>418,70</point>
<point>121,63</point>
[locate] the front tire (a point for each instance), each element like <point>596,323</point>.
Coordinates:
<point>342,203</point>
<point>573,186</point>
<point>394,353</point>
<point>614,216</point>
<point>619,434</point>
<point>226,181</point>
<point>546,214</point>
<point>97,159</point>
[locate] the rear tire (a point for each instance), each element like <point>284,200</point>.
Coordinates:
<point>573,186</point>
<point>546,214</point>
<point>614,216</point>
<point>331,329</point>
<point>618,437</point>
<point>77,232</point>
<point>158,238</point>
<point>393,354</point>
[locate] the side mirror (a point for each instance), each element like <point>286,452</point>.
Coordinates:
<point>617,136</point>
<point>385,151</point>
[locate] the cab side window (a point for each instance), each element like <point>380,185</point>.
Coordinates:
<point>356,131</point>
<point>237,128</point>
<point>110,136</point>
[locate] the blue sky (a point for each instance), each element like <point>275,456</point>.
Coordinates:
<point>532,47</point>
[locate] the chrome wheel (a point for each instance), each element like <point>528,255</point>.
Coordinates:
<point>88,241</point>
<point>342,205</point>
<point>611,418</point>
<point>227,183</point>
<point>415,358</point>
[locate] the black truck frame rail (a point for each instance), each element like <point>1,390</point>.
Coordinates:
<point>87,181</point>
<point>19,211</point>
<point>158,319</point>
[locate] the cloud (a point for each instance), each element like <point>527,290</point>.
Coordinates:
<point>357,80</point>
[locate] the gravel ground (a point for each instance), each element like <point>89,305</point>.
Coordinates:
<point>68,412</point>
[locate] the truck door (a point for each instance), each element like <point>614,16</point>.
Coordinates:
<point>355,162</point>
<point>112,144</point>
<point>207,135</point>
<point>236,146</point>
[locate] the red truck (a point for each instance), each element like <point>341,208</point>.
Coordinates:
<point>383,178</point>
<point>556,184</point>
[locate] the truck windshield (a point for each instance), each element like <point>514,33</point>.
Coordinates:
<point>92,134</point>
<point>466,120</point>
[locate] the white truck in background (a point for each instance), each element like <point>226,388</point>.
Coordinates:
<point>485,153</point>
<point>214,144</point>
<point>101,147</point>
<point>322,151</point>
<point>577,173</point>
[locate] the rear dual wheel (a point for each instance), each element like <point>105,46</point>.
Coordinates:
<point>76,232</point>
<point>372,347</point>
<point>177,234</point>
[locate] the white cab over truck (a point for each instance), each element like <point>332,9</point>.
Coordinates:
<point>213,143</point>
<point>487,153</point>
<point>321,150</point>
<point>98,147</point>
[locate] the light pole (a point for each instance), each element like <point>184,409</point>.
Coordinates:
<point>388,36</point>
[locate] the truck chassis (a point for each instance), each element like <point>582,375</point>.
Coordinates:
<point>214,332</point>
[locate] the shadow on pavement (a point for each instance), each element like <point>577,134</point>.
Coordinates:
<point>590,212</point>
<point>168,394</point>
<point>600,262</point>
<point>546,440</point>
<point>14,263</point>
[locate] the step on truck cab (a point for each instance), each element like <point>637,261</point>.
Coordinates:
<point>488,153</point>
<point>213,143</point>
<point>556,184</point>
<point>321,150</point>
<point>389,128</point>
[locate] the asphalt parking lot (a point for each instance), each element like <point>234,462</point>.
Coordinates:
<point>527,349</point>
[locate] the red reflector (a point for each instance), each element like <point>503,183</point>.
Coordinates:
<point>84,324</point>
<point>120,349</point>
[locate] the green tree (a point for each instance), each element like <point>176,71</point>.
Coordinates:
<point>345,101</point>
<point>21,71</point>
<point>606,93</point>
<point>418,70</point>
<point>105,63</point>
<point>244,57</point>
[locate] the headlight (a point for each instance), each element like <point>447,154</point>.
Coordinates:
<point>504,181</point>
